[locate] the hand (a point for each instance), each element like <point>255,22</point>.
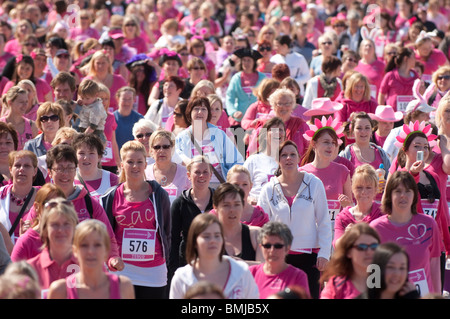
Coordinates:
<point>349,226</point>
<point>24,225</point>
<point>321,263</point>
<point>237,114</point>
<point>252,201</point>
<point>344,200</point>
<point>407,288</point>
<point>417,167</point>
<point>116,264</point>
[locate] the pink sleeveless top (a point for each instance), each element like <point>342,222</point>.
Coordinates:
<point>114,287</point>
<point>26,135</point>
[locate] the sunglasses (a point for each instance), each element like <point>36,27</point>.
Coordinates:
<point>130,25</point>
<point>327,43</point>
<point>261,48</point>
<point>351,60</point>
<point>197,68</point>
<point>141,135</point>
<point>340,25</point>
<point>63,56</point>
<point>444,77</point>
<point>276,246</point>
<point>158,147</point>
<point>29,44</point>
<point>45,118</point>
<point>177,114</point>
<point>365,247</point>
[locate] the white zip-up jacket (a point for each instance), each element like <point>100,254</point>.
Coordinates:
<point>240,283</point>
<point>307,218</point>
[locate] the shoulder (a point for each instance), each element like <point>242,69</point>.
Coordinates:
<point>126,288</point>
<point>58,289</point>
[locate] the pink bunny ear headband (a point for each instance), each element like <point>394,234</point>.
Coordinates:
<point>412,128</point>
<point>329,123</point>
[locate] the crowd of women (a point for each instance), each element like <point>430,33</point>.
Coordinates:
<point>253,149</point>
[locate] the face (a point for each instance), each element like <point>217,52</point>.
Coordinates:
<point>63,174</point>
<point>20,104</point>
<point>48,123</point>
<point>425,48</point>
<point>402,198</point>
<point>385,127</point>
<point>171,67</point>
<point>443,82</point>
<point>216,112</point>
<point>126,100</point>
<point>63,91</point>
<point>228,44</point>
<point>197,72</point>
<point>23,170</point>
<point>6,146</point>
<point>133,165</point>
<point>210,241</point>
<point>105,99</point>
<point>130,29</point>
<point>289,158</point>
<point>24,71</point>
<point>364,191</point>
<point>242,181</point>
<point>277,251</point>
<point>276,135</point>
<point>326,45</point>
<point>101,65</point>
<point>200,174</point>
<point>230,209</point>
<point>418,144</point>
<point>60,231</point>
<point>88,158</point>
<point>87,100</point>
<point>170,89</point>
<point>283,107</point>
<point>358,91</point>
<point>161,150</point>
<point>199,114</point>
<point>363,130</point>
<point>62,62</point>
<point>91,251</point>
<point>247,64</point>
<point>396,273</point>
<point>325,146</point>
<point>362,259</point>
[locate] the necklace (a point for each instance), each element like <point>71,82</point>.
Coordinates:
<point>17,200</point>
<point>163,181</point>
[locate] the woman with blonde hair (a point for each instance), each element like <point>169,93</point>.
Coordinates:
<point>356,97</point>
<point>440,86</point>
<point>141,205</point>
<point>33,103</point>
<point>16,101</point>
<point>100,69</point>
<point>132,32</point>
<point>91,246</point>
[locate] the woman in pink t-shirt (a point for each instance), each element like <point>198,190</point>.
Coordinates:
<point>132,33</point>
<point>370,66</point>
<point>319,160</point>
<point>431,57</point>
<point>139,211</point>
<point>396,87</point>
<point>364,188</point>
<point>417,233</point>
<point>346,273</point>
<point>275,274</point>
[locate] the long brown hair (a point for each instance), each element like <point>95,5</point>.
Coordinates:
<point>340,264</point>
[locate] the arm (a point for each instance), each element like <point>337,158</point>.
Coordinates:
<point>445,152</point>
<point>435,270</point>
<point>57,290</point>
<point>126,288</point>
<point>231,94</point>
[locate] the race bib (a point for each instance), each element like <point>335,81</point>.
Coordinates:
<point>402,102</point>
<point>108,153</point>
<point>172,193</point>
<point>373,91</point>
<point>430,209</point>
<point>138,244</point>
<point>333,209</point>
<point>419,279</point>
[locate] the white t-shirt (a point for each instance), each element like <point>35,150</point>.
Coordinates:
<point>261,168</point>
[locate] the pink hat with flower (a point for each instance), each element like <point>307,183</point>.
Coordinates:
<point>408,130</point>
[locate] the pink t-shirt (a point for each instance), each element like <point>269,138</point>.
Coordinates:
<point>257,110</point>
<point>396,87</point>
<point>338,287</point>
<point>374,73</point>
<point>42,88</point>
<point>333,177</point>
<point>79,34</point>
<point>421,240</point>
<point>271,284</point>
<point>138,43</point>
<point>137,221</point>
<point>436,59</point>
<point>109,158</point>
<point>27,246</point>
